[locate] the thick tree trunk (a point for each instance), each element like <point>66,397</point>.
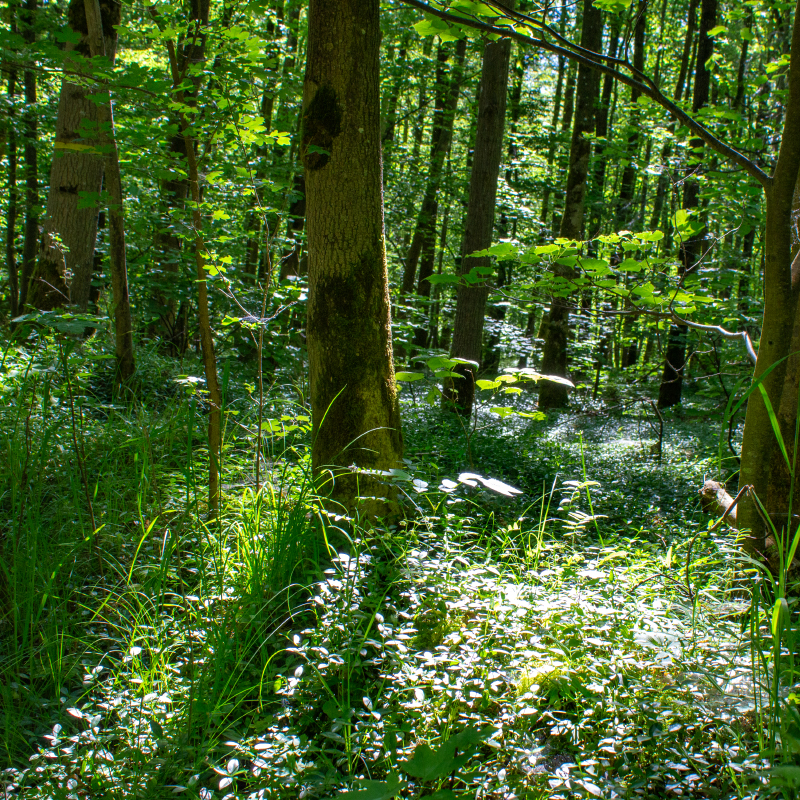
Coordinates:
<point>780,332</point>
<point>355,410</point>
<point>123,321</point>
<point>444,115</point>
<point>669,393</point>
<point>479,223</point>
<point>31,129</point>
<point>66,259</point>
<point>554,357</point>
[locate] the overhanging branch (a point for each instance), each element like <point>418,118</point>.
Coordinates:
<point>590,59</point>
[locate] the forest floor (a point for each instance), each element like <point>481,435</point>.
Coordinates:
<point>586,638</point>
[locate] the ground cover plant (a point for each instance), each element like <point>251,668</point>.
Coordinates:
<point>589,637</point>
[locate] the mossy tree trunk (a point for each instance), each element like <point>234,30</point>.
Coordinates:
<point>355,410</point>
<point>64,268</point>
<point>762,464</point>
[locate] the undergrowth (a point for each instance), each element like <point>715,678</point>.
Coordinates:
<point>588,638</point>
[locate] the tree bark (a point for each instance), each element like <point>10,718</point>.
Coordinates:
<point>66,258</point>
<point>479,223</point>
<point>554,356</point>
<point>123,321</point>
<point>355,409</point>
<point>780,332</point>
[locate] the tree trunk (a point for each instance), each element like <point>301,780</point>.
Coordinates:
<point>669,393</point>
<point>627,188</point>
<point>196,52</point>
<point>98,37</point>
<point>66,259</point>
<point>780,332</point>
<point>355,409</point>
<point>554,357</point>
<point>170,284</point>
<point>602,130</point>
<point>444,115</point>
<point>479,223</point>
<point>553,136</point>
<point>31,128</point>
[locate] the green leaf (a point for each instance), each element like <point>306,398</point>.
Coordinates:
<point>429,765</point>
<point>502,250</point>
<point>442,279</point>
<point>483,384</point>
<point>375,790</point>
<point>440,362</point>
<point>681,217</point>
<point>717,30</point>
<point>430,26</point>
<point>409,376</point>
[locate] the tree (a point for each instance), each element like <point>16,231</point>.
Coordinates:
<point>66,259</point>
<point>691,249</point>
<point>355,411</point>
<point>445,105</point>
<point>554,356</point>
<point>123,321</point>
<point>479,222</point>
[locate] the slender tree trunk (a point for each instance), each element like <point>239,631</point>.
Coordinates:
<point>441,136</point>
<point>628,183</point>
<point>514,109</point>
<point>66,259</point>
<point>13,199</point>
<point>554,357</point>
<point>355,410</point>
<point>173,312</point>
<point>553,136</point>
<point>390,120</point>
<point>123,321</point>
<point>196,52</point>
<point>479,223</point>
<point>422,102</point>
<point>30,127</point>
<point>566,124</point>
<point>663,178</point>
<point>669,393</point>
<point>602,129</point>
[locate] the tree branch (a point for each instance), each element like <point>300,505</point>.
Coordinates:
<point>590,59</point>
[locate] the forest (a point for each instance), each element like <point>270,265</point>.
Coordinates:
<point>399,398</point>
